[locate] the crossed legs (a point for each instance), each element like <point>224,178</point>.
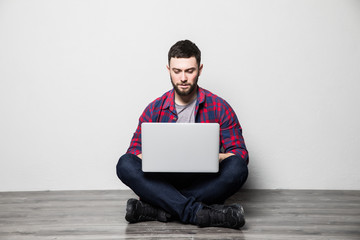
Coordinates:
<point>182,195</point>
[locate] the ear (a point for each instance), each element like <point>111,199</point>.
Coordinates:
<point>200,69</point>
<point>168,68</point>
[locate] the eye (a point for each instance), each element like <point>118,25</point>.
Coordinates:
<point>176,71</point>
<point>191,70</point>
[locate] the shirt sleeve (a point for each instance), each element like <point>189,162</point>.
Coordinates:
<point>231,137</point>
<point>135,143</point>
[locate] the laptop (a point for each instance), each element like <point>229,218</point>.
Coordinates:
<point>180,147</point>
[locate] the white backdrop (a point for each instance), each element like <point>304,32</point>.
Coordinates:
<point>76,75</point>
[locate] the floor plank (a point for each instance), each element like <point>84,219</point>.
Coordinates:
<point>270,214</point>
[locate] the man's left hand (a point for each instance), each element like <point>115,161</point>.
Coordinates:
<point>222,156</point>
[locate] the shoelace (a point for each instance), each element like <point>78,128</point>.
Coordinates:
<point>217,217</point>
<point>147,212</point>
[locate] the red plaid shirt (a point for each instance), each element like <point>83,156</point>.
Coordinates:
<point>209,109</point>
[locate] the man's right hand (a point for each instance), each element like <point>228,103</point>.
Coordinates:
<point>139,156</point>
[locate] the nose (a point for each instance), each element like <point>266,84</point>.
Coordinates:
<point>183,77</point>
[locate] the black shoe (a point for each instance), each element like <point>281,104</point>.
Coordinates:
<point>235,206</point>
<point>231,216</point>
<point>138,211</point>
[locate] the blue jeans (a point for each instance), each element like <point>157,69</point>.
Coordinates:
<point>183,194</point>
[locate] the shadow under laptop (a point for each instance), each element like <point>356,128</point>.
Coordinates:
<point>181,180</point>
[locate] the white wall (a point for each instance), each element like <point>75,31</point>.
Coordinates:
<point>75,76</point>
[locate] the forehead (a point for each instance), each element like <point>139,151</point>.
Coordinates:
<point>183,63</point>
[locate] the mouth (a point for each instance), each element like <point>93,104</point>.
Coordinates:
<point>184,88</point>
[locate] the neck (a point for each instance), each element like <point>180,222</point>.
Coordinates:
<point>185,100</point>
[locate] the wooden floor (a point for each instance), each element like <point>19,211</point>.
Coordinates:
<point>270,214</point>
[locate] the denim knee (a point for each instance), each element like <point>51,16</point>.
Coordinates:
<point>235,169</point>
<point>127,167</point>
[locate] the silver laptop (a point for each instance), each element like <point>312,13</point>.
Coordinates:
<point>180,147</point>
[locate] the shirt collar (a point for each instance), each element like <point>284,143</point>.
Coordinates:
<point>170,102</point>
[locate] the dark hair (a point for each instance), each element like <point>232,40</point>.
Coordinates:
<point>185,49</point>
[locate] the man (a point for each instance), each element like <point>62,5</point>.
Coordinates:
<point>190,198</point>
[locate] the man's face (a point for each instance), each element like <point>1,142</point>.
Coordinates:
<point>184,74</point>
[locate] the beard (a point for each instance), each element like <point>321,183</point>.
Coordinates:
<point>187,92</point>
